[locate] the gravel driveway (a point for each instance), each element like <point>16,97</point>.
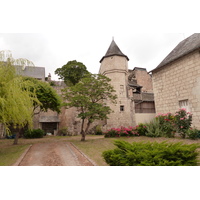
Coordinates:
<point>55,154</point>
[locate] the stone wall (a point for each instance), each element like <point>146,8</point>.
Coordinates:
<point>144,117</point>
<point>144,79</point>
<point>178,81</point>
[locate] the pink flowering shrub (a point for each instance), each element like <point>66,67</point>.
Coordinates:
<point>118,132</point>
<point>183,121</point>
<point>166,123</point>
<point>141,129</point>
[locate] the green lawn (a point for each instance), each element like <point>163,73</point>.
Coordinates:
<point>92,147</point>
<point>9,154</point>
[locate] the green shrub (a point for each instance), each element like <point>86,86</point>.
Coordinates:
<point>64,131</point>
<point>151,154</point>
<point>35,133</point>
<point>153,128</point>
<point>141,129</point>
<point>52,83</point>
<point>98,130</point>
<point>193,133</point>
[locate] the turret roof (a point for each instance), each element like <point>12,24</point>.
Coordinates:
<point>113,50</point>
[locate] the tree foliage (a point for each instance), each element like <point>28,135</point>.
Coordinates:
<point>46,95</point>
<point>89,97</point>
<point>72,72</point>
<point>16,97</point>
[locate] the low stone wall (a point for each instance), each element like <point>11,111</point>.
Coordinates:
<point>144,117</point>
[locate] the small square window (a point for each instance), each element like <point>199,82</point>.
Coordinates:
<point>121,108</point>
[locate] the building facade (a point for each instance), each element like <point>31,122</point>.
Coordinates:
<point>133,88</point>
<point>176,80</point>
<point>135,103</point>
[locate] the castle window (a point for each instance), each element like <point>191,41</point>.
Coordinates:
<point>121,108</point>
<point>184,104</point>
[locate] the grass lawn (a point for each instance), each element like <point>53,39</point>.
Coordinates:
<point>92,147</point>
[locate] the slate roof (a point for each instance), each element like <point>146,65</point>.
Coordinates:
<point>35,72</point>
<point>185,47</point>
<point>134,84</point>
<point>113,50</point>
<point>49,119</point>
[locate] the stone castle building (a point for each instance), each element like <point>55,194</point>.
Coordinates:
<point>176,80</point>
<point>114,65</point>
<point>135,103</point>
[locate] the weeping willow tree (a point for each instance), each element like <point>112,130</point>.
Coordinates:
<point>16,98</point>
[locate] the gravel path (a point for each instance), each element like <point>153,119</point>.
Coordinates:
<point>55,154</point>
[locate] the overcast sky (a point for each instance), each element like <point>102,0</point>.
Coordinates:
<point>55,50</point>
<point>51,33</point>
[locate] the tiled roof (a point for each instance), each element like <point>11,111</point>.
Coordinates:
<point>185,47</point>
<point>113,50</point>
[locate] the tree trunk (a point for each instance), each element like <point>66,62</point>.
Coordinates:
<point>82,131</point>
<point>16,137</point>
<point>87,128</point>
<point>83,135</point>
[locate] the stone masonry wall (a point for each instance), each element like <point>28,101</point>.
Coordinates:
<point>179,81</point>
<point>144,79</point>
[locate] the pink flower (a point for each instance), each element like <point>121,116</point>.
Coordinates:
<point>181,126</point>
<point>182,118</point>
<point>166,119</point>
<point>182,109</point>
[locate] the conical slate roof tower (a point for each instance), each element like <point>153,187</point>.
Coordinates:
<point>114,65</point>
<point>113,50</point>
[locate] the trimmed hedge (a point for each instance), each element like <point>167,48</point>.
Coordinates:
<point>35,133</point>
<point>151,154</point>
